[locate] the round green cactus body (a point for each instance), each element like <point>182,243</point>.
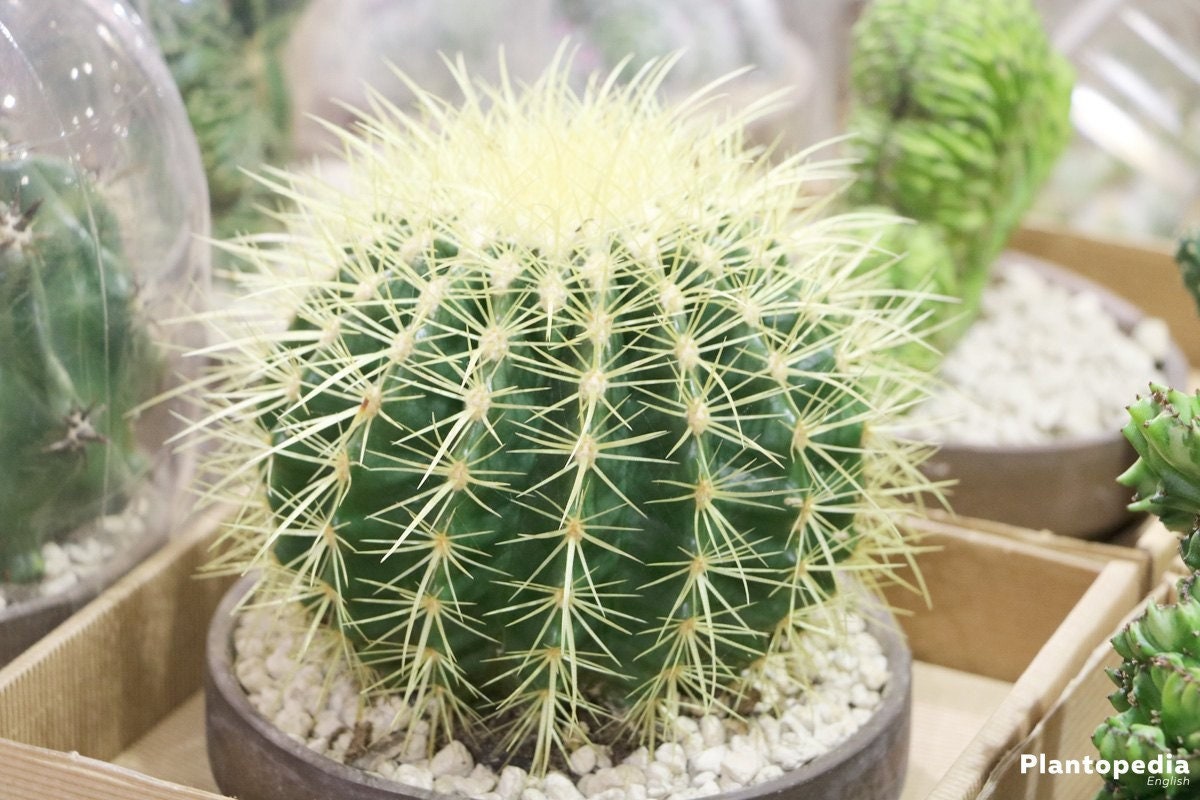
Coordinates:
<point>71,357</point>
<point>960,111</point>
<point>581,414</point>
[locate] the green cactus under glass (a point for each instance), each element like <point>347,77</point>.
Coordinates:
<point>226,59</point>
<point>583,411</point>
<point>72,356</point>
<point>960,110</point>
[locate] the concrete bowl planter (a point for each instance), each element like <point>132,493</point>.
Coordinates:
<point>252,760</point>
<point>1067,486</point>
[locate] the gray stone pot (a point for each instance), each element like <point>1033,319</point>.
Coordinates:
<point>1068,487</point>
<point>252,760</point>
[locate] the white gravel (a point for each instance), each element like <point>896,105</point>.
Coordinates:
<point>798,717</point>
<point>83,553</point>
<point>1042,364</point>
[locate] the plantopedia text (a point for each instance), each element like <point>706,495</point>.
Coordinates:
<point>1168,771</point>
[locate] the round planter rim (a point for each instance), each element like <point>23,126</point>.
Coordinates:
<point>895,703</point>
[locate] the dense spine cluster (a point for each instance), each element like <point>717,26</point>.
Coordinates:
<point>72,359</point>
<point>582,411</point>
<point>960,111</point>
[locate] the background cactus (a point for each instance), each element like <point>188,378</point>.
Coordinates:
<point>72,359</point>
<point>715,36</point>
<point>581,413</point>
<point>1187,255</point>
<point>1158,682</point>
<point>226,58</point>
<point>959,112</point>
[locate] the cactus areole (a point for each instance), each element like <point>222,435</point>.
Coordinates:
<point>581,412</point>
<point>72,356</point>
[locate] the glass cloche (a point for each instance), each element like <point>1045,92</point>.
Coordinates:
<point>103,210</point>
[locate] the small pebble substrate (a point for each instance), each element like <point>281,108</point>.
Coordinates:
<point>1042,364</point>
<point>83,553</point>
<point>798,717</point>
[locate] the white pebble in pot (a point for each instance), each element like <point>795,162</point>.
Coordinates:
<point>1043,363</point>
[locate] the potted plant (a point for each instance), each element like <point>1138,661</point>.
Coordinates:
<point>959,112</point>
<point>579,430</point>
<point>1158,719</point>
<point>100,198</point>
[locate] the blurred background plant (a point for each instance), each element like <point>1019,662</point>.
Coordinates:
<point>958,112</point>
<point>227,60</point>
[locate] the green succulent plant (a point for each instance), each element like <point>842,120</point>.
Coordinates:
<point>959,111</point>
<point>1158,700</point>
<point>581,413</point>
<point>1158,682</point>
<point>226,59</point>
<point>1187,256</point>
<point>73,356</point>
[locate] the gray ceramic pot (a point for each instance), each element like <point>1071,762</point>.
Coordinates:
<point>1067,487</point>
<point>253,760</point>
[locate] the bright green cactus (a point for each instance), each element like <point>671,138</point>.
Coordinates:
<point>72,356</point>
<point>1157,699</point>
<point>1165,430</point>
<point>226,59</point>
<point>1158,694</point>
<point>960,110</point>
<point>583,411</point>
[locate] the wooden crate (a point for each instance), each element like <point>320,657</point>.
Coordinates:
<point>108,706</point>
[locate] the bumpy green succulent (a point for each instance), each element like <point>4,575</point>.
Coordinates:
<point>959,112</point>
<point>72,356</point>
<point>1158,695</point>
<point>581,413</point>
<point>1165,431</point>
<point>1158,700</point>
<point>225,56</point>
